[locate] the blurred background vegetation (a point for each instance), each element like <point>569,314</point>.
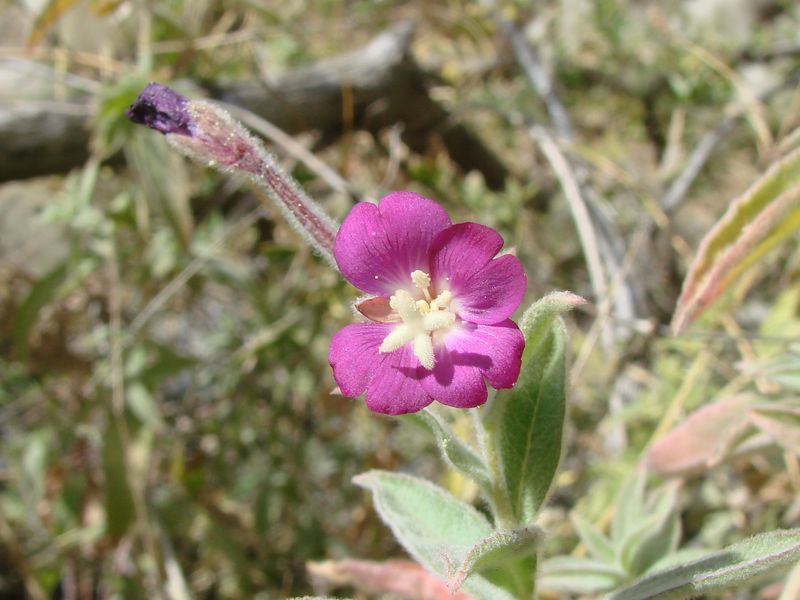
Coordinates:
<point>167,427</point>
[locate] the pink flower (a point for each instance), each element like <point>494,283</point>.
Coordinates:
<point>439,317</point>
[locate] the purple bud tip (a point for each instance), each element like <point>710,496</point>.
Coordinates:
<point>162,109</point>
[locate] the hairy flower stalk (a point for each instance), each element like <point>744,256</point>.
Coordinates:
<point>205,132</point>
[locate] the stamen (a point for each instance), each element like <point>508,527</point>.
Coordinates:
<point>442,300</point>
<point>404,304</point>
<point>399,337</point>
<point>423,350</point>
<point>436,320</point>
<point>422,319</point>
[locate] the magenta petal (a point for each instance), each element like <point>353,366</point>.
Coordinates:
<point>456,378</point>
<point>354,356</point>
<point>494,349</point>
<point>391,381</point>
<point>377,247</point>
<point>494,293</point>
<point>486,289</point>
<point>460,251</point>
<point>395,387</point>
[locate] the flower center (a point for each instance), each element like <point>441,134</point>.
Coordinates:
<point>420,319</point>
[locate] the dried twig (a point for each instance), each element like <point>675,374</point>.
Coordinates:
<point>679,188</point>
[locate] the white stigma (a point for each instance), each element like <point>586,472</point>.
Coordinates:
<point>421,280</point>
<point>420,319</point>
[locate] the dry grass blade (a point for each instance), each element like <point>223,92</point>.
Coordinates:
<point>578,208</point>
<point>48,17</point>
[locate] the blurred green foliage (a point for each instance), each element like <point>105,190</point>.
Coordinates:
<point>166,417</point>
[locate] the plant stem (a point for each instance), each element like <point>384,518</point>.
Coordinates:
<point>498,498</point>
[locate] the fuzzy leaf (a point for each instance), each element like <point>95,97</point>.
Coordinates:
<point>739,565</point>
<point>460,456</point>
<point>599,545</point>
<point>543,312</point>
<point>658,536</point>
<point>629,507</point>
<point>578,575</point>
<point>532,418</point>
<point>497,549</point>
<point>762,217</point>
<point>701,440</point>
<point>435,528</point>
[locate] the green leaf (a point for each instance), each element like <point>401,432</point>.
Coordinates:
<point>40,295</point>
<point>739,565</point>
<point>657,536</point>
<point>532,414</point>
<point>164,179</point>
<point>435,528</point>
<point>34,462</point>
<point>118,496</point>
<point>599,545</point>
<point>766,214</point>
<point>578,575</point>
<point>542,313</point>
<point>499,548</point>
<point>455,452</point>
<point>629,507</point>
<point>142,404</point>
<point>110,125</point>
<point>678,557</point>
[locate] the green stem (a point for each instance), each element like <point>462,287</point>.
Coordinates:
<point>498,498</point>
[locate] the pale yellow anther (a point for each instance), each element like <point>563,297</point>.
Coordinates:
<point>423,307</point>
<point>421,279</point>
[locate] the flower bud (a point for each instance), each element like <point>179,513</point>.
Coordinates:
<point>204,131</point>
<point>162,109</point>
